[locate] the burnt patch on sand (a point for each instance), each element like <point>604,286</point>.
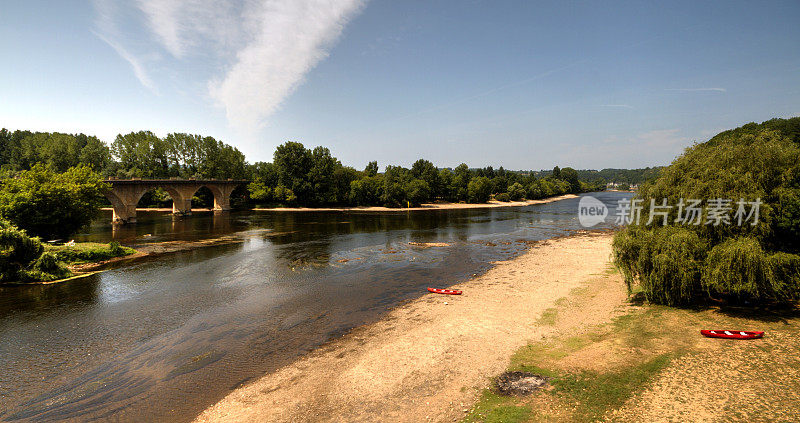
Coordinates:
<point>520,383</point>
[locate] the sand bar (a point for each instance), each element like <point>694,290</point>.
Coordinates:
<point>427,359</point>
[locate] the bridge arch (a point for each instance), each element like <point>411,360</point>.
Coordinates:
<point>125,194</point>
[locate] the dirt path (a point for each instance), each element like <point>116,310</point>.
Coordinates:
<point>428,359</point>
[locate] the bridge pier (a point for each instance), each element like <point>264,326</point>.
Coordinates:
<point>125,194</point>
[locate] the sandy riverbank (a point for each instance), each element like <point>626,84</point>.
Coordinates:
<point>431,206</point>
<point>427,206</point>
<point>429,359</point>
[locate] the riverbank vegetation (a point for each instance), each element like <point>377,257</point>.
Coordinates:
<point>297,176</point>
<point>305,177</point>
<point>24,259</point>
<point>49,204</point>
<point>749,263</point>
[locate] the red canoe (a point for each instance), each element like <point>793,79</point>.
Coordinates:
<point>732,334</point>
<point>444,291</point>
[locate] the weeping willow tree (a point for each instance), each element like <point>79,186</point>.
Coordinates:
<point>755,261</point>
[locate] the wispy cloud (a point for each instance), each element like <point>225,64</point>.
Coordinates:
<point>183,26</point>
<point>136,64</point>
<point>293,36</point>
<point>265,48</point>
<point>721,90</point>
<point>106,14</point>
<point>619,106</point>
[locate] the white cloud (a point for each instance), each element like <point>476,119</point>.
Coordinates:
<point>292,37</point>
<point>107,32</point>
<point>136,64</point>
<point>163,19</point>
<point>721,90</point>
<point>265,47</point>
<point>184,26</point>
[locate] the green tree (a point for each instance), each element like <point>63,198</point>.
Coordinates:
<point>95,153</point>
<point>680,264</point>
<point>516,191</point>
<point>321,177</point>
<point>459,183</point>
<point>394,190</point>
<point>52,205</point>
<point>367,191</point>
<point>417,192</point>
<point>569,175</point>
<point>371,169</point>
<point>479,189</point>
<point>426,171</point>
<point>292,161</point>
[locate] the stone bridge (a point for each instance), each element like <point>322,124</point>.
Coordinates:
<point>126,193</point>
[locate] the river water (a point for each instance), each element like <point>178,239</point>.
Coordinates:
<point>164,338</point>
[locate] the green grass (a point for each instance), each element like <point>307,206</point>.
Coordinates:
<point>494,408</point>
<point>88,252</point>
<point>548,317</point>
<point>584,395</point>
<point>593,393</point>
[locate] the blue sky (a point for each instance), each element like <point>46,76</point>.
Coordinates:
<point>525,85</point>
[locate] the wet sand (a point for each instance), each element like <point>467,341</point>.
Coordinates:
<point>427,359</point>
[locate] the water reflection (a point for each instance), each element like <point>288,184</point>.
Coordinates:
<point>164,338</point>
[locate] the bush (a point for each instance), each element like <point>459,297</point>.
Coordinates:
<point>46,268</point>
<point>22,258</point>
<point>17,251</point>
<point>502,197</point>
<point>366,191</point>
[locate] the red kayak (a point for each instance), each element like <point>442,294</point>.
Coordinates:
<point>444,291</point>
<point>732,334</point>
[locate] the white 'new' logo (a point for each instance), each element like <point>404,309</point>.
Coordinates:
<point>591,211</point>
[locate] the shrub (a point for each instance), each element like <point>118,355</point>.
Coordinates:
<point>22,258</point>
<point>46,268</point>
<point>17,251</point>
<point>502,197</point>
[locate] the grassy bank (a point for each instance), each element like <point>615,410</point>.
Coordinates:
<point>59,263</point>
<point>88,252</point>
<point>650,363</point>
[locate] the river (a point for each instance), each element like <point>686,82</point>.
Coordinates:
<point>166,337</point>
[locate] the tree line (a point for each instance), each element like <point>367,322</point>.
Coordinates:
<point>297,175</point>
<point>137,154</point>
<point>313,177</point>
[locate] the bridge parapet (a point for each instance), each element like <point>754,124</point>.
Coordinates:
<point>126,193</point>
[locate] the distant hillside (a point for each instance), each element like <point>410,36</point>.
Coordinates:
<point>620,176</point>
